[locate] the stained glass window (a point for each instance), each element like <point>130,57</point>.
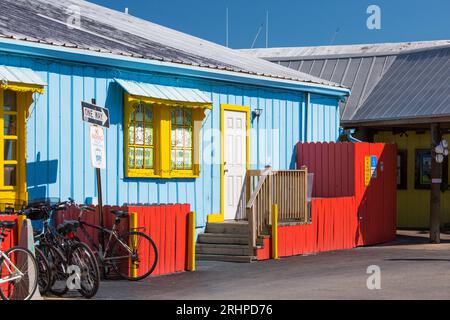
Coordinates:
<point>140,137</point>
<point>181,139</point>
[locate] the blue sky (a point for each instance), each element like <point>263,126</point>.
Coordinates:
<point>295,22</point>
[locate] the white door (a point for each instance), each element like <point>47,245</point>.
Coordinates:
<point>235,159</point>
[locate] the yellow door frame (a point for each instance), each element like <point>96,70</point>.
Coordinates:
<point>220,217</point>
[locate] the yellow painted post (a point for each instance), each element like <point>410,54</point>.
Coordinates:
<point>133,226</point>
<point>275,231</point>
<point>191,242</point>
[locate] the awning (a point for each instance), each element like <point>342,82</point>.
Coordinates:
<point>160,94</point>
<point>20,79</point>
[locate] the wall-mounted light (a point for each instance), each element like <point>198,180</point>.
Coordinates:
<point>257,113</point>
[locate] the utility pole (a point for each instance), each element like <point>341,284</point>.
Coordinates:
<point>435,193</point>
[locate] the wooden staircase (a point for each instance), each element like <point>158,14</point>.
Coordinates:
<point>238,241</point>
<point>226,241</point>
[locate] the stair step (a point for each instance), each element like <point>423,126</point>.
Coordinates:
<point>228,228</point>
<point>225,258</point>
<point>222,249</point>
<point>223,238</point>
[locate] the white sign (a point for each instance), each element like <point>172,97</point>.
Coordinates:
<point>98,152</point>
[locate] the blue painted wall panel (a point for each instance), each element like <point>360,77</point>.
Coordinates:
<point>58,154</point>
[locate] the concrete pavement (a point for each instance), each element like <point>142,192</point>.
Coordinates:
<point>410,269</point>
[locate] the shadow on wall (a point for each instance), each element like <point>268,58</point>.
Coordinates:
<point>39,175</point>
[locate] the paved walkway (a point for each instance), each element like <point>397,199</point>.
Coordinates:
<point>411,268</point>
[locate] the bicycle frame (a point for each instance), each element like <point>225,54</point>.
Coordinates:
<point>112,233</point>
<point>13,275</point>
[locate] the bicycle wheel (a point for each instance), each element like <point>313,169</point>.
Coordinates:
<point>58,267</point>
<point>82,257</point>
<point>25,268</point>
<point>45,273</point>
<point>135,256</point>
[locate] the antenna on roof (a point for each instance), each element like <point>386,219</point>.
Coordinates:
<point>226,29</point>
<point>335,35</point>
<point>257,35</point>
<point>267,28</point>
<point>126,10</point>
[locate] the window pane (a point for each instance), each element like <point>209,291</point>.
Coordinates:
<point>10,100</point>
<point>139,134</point>
<point>173,159</point>
<point>139,158</point>
<point>10,175</point>
<point>179,137</point>
<point>179,116</point>
<point>131,158</point>
<point>188,117</point>
<point>10,150</point>
<point>148,135</point>
<point>180,159</point>
<point>10,125</point>
<point>188,138</point>
<point>188,159</point>
<point>131,133</point>
<point>139,113</point>
<point>148,114</point>
<point>172,116</point>
<point>148,158</point>
<point>173,138</point>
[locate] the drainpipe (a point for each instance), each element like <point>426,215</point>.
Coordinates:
<point>307,103</point>
<point>349,134</point>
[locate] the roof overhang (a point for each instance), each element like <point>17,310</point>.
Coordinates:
<point>20,79</point>
<point>167,95</point>
<point>406,122</point>
<point>145,65</point>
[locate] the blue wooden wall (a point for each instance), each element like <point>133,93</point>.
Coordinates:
<point>58,154</point>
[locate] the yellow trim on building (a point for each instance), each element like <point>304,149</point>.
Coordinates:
<point>22,87</point>
<point>212,218</point>
<point>162,138</point>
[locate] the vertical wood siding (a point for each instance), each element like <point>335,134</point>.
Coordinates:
<point>58,154</point>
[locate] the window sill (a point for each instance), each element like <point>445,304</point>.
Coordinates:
<point>150,174</point>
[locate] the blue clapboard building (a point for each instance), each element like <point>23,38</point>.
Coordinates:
<point>187,117</point>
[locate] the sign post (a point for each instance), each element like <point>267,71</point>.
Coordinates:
<point>98,118</point>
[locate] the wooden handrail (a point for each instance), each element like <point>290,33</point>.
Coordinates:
<point>255,193</point>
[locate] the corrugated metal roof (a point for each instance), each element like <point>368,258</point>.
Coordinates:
<point>20,75</point>
<point>105,30</point>
<point>362,68</point>
<point>417,85</point>
<point>359,50</point>
<point>164,92</point>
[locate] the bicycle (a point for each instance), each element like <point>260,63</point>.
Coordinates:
<point>19,270</point>
<point>133,255</point>
<point>63,253</point>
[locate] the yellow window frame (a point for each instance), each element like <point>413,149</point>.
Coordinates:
<point>162,128</point>
<point>19,191</point>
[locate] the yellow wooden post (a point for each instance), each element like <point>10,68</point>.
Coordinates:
<point>191,242</point>
<point>275,231</point>
<point>133,226</point>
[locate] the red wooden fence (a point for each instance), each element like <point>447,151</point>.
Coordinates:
<point>167,225</point>
<point>345,212</point>
<point>10,240</point>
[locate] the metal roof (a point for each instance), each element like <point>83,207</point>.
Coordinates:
<point>362,68</point>
<point>164,92</point>
<point>105,30</point>
<point>20,75</point>
<point>417,85</point>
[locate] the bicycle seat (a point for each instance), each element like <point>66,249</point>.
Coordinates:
<point>7,224</point>
<point>68,226</point>
<point>119,214</point>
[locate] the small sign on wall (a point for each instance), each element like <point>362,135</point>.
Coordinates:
<point>370,169</point>
<point>98,153</point>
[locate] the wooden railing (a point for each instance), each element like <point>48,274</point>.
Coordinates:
<point>262,189</point>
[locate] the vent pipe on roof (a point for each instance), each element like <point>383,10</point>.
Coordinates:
<point>126,10</point>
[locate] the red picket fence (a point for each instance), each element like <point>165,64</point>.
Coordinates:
<point>167,225</point>
<point>345,212</point>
